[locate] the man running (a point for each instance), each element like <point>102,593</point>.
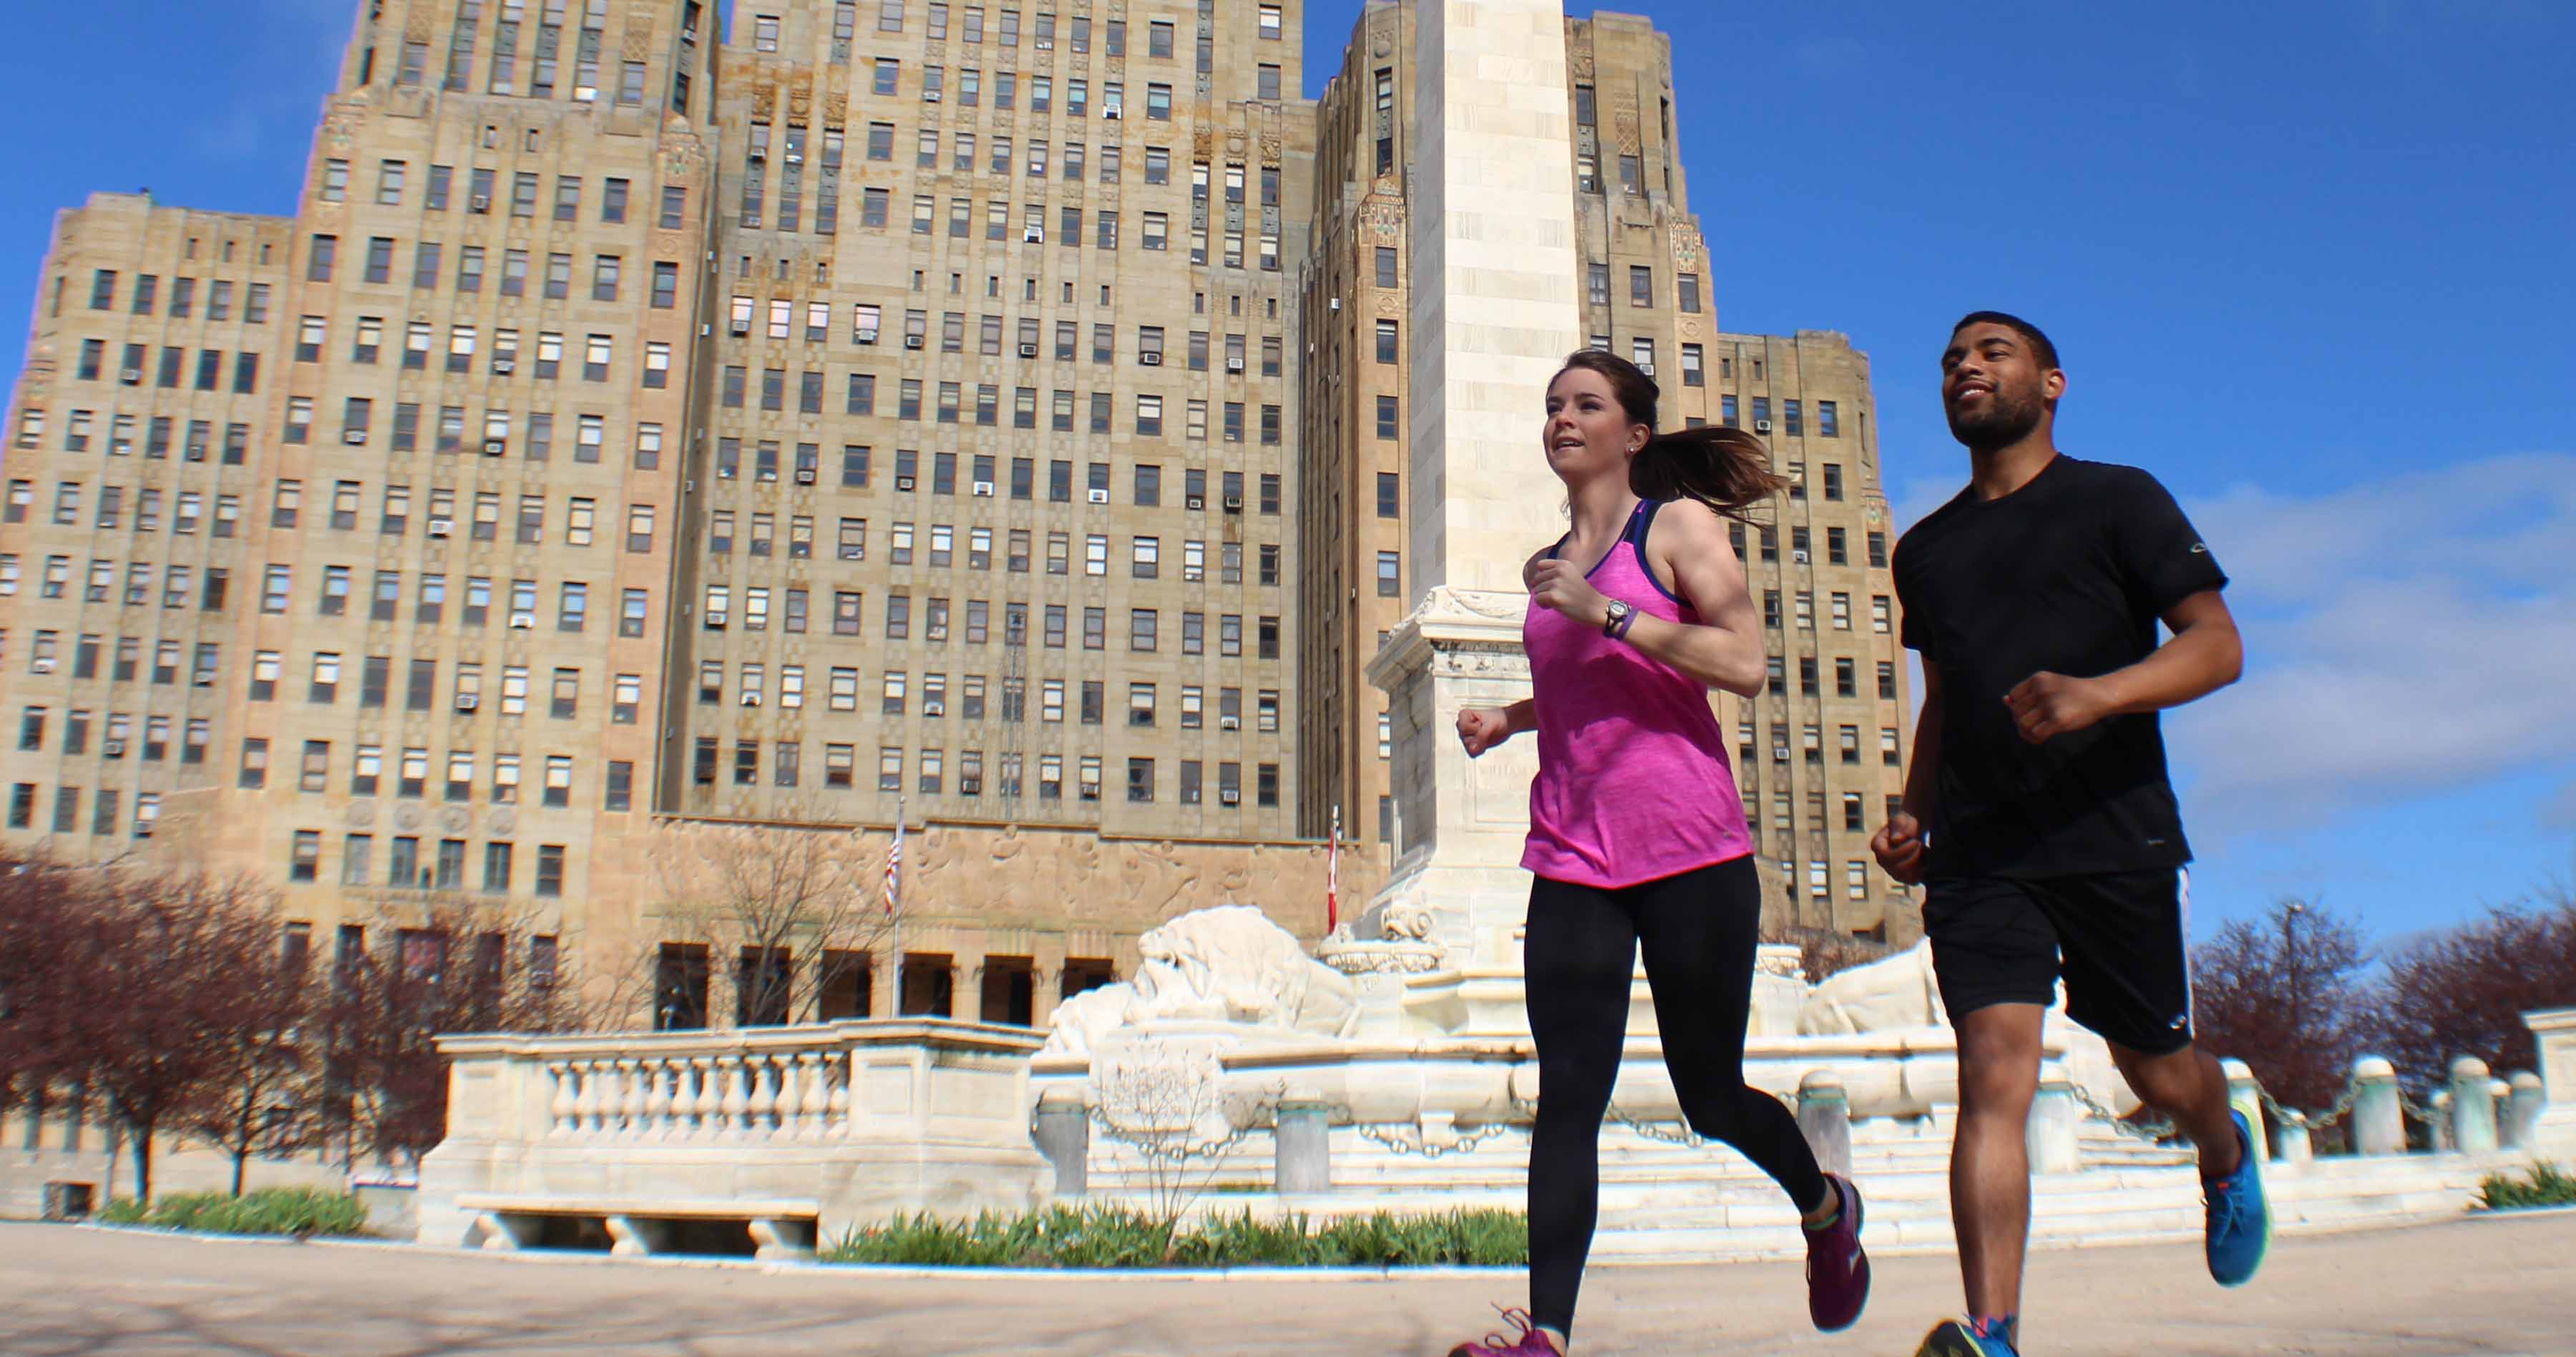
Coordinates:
<point>2055,849</point>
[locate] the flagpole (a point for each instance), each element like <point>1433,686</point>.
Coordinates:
<point>894,909</point>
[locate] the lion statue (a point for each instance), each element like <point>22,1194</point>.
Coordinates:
<point>1229,964</point>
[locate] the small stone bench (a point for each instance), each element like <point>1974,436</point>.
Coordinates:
<point>637,1227</point>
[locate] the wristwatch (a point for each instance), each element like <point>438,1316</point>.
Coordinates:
<point>1616,619</point>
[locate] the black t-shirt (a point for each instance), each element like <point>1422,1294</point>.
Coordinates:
<point>2067,575</point>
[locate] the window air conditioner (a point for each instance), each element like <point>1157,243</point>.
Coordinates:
<point>1761,426</point>
<point>480,203</point>
<point>933,707</point>
<point>1197,502</point>
<point>114,749</point>
<point>1229,723</point>
<point>1335,304</point>
<point>1234,365</point>
<point>1646,368</point>
<point>131,376</point>
<point>1112,113</point>
<point>804,475</point>
<point>1028,350</point>
<point>1230,796</point>
<point>44,664</point>
<point>795,157</point>
<point>468,701</point>
<point>494,447</point>
<point>751,699</point>
<point>912,341</point>
<point>863,337</point>
<point>758,155</point>
<point>984,489</point>
<point>1100,497</point>
<point>441,527</point>
<point>741,327</point>
<point>1234,504</point>
<point>354,437</point>
<point>523,621</point>
<point>1799,556</point>
<point>903,482</point>
<point>1035,235</point>
<point>1152,358</point>
<point>1046,44</point>
<point>503,367</point>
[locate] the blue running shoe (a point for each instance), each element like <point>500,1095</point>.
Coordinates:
<point>2240,1222</point>
<point>1963,1338</point>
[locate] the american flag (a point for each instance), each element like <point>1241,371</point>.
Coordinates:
<point>1333,876</point>
<point>894,869</point>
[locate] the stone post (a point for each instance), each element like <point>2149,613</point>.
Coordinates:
<point>2443,1129</point>
<point>2378,1122</point>
<point>2473,1118</point>
<point>1303,1144</point>
<point>1824,1118</point>
<point>2522,1116</point>
<point>2050,1131</point>
<point>1063,1135</point>
<point>2291,1136</point>
<point>2245,1095</point>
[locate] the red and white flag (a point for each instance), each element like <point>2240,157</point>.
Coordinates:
<point>894,869</point>
<point>1333,876</point>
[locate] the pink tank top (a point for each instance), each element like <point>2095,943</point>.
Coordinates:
<point>1633,783</point>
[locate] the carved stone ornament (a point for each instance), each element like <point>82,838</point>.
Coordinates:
<point>361,813</point>
<point>502,823</point>
<point>636,43</point>
<point>406,817</point>
<point>455,819</point>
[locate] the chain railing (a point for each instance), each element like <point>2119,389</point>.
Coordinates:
<point>2155,1132</point>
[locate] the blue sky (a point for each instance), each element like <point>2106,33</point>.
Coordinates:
<point>2309,262</point>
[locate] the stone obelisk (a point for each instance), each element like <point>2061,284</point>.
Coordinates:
<point>1494,267</point>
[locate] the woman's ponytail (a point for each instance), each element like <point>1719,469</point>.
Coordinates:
<point>1728,470</point>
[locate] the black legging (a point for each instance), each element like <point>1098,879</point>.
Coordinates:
<point>1699,930</point>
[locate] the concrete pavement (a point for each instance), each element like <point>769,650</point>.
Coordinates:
<point>2498,1286</point>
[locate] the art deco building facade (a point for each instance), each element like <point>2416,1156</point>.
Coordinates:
<point>1818,753</point>
<point>898,407</point>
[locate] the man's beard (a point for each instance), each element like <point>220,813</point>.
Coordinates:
<point>2003,422</point>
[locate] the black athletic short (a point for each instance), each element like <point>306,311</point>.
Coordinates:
<point>2118,939</point>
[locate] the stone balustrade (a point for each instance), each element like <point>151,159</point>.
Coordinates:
<point>820,1128</point>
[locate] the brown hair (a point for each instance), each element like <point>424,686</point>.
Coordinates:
<point>1728,470</point>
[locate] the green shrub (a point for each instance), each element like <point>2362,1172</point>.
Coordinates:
<point>271,1211</point>
<point>1106,1236</point>
<point>2547,1186</point>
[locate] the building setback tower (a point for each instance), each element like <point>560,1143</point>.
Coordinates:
<point>1818,754</point>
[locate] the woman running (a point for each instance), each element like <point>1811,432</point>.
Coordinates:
<point>1637,833</point>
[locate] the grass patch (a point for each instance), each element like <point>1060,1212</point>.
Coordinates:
<point>1103,1236</point>
<point>2547,1186</point>
<point>271,1211</point>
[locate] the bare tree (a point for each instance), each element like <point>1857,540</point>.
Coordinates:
<point>264,1098</point>
<point>1167,1101</point>
<point>453,965</point>
<point>2284,994</point>
<point>788,913</point>
<point>138,987</point>
<point>2464,991</point>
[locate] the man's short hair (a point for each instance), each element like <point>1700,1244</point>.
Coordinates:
<point>2040,346</point>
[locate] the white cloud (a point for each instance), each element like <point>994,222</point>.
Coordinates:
<point>2403,636</point>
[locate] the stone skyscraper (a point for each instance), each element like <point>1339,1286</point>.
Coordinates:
<point>897,404</point>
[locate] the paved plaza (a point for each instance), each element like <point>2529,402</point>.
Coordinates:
<point>2483,1286</point>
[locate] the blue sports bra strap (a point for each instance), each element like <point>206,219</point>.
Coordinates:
<point>1642,521</point>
